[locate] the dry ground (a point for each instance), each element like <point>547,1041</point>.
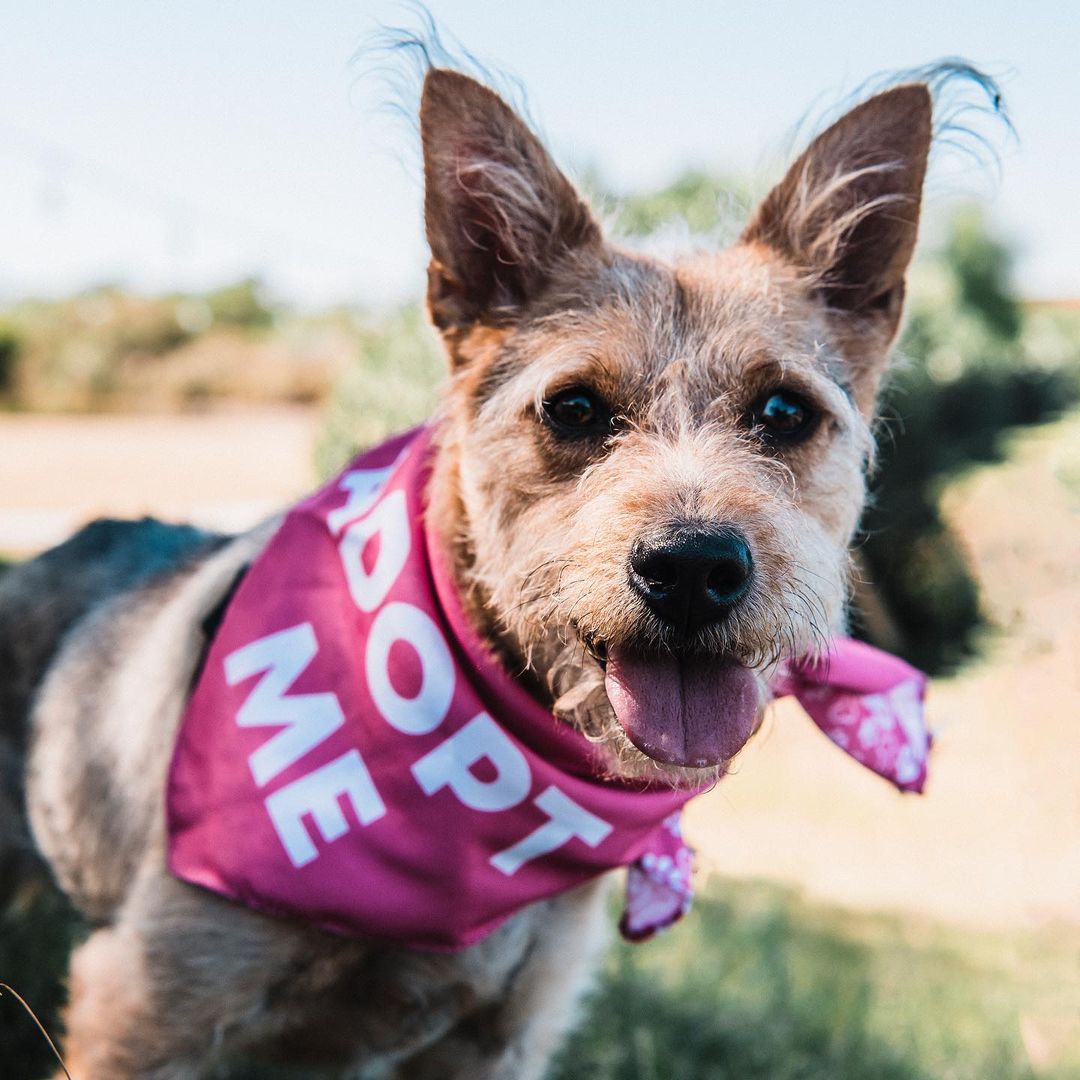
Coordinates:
<point>219,469</point>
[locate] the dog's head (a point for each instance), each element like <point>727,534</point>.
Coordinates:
<point>649,473</point>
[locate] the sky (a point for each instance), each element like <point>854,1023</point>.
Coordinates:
<point>184,145</point>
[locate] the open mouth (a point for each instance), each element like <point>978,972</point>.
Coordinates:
<point>693,711</point>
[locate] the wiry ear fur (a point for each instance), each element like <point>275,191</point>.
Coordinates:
<point>847,212</point>
<point>499,214</point>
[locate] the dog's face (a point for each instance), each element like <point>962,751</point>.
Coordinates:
<point>649,474</point>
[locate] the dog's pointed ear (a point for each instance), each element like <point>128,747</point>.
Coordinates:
<point>847,212</point>
<point>499,214</point>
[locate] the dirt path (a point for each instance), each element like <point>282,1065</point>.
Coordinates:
<point>995,841</point>
<point>224,470</point>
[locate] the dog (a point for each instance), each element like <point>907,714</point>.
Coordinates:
<point>645,478</point>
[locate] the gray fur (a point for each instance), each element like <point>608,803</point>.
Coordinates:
<point>177,979</point>
<point>41,601</point>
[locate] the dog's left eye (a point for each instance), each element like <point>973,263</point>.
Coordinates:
<point>577,412</point>
<point>783,417</point>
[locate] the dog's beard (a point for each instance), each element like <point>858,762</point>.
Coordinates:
<point>563,647</point>
<point>577,685</point>
<point>665,705</point>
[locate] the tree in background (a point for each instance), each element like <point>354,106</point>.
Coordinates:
<point>973,364</point>
<point>241,304</point>
<point>982,269</point>
<point>9,357</point>
<point>696,201</point>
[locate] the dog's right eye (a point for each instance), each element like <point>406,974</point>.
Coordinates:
<point>577,412</point>
<point>783,417</point>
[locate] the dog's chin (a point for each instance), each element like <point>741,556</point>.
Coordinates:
<point>663,715</point>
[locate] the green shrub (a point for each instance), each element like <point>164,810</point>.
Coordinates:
<point>9,360</point>
<point>971,366</point>
<point>242,304</point>
<point>392,385</point>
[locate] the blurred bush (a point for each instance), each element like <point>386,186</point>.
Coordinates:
<point>696,201</point>
<point>9,358</point>
<point>111,350</point>
<point>972,364</point>
<point>242,304</point>
<point>391,385</point>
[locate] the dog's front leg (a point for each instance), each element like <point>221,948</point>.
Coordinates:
<point>514,1037</point>
<point>184,980</point>
<point>113,1027</point>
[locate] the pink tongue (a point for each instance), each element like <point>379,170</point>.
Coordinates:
<point>695,712</point>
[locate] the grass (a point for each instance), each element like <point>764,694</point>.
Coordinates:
<point>756,983</point>
<point>37,930</point>
<point>760,983</point>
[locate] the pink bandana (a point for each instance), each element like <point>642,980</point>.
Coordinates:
<point>353,756</point>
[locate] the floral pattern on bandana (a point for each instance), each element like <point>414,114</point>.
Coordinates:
<point>660,885</point>
<point>870,704</point>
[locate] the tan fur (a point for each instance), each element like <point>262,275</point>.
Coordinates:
<point>530,300</point>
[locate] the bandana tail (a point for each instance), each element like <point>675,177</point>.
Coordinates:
<point>659,885</point>
<point>871,705</point>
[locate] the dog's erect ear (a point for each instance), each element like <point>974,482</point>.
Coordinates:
<point>847,213</point>
<point>499,214</point>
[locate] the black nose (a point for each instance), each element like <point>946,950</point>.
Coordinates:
<point>694,576</point>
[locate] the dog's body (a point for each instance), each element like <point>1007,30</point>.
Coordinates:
<point>230,980</point>
<point>646,480</point>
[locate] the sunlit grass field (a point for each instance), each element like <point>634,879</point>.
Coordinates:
<point>760,983</point>
<point>755,983</point>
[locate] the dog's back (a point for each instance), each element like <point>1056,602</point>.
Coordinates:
<point>41,602</point>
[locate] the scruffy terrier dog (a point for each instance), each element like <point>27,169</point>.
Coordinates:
<point>646,479</point>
